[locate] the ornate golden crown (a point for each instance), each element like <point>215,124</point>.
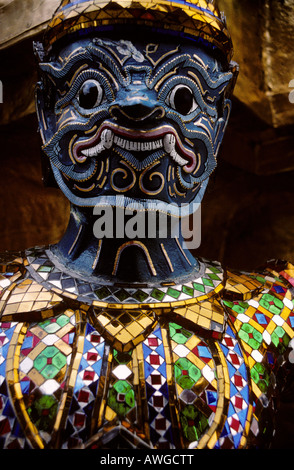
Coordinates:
<point>196,18</point>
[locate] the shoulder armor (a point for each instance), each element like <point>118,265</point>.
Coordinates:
<point>22,298</point>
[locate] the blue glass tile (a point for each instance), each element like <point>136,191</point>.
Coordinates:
<point>211,397</point>
<point>243,415</point>
<point>232,369</point>
<point>231,410</point>
<point>162,370</point>
<point>28,342</point>
<point>204,351</point>
<point>148,369</point>
<point>279,289</point>
<point>226,431</point>
<point>160,350</point>
<point>261,318</point>
<point>97,366</point>
<point>237,439</point>
<point>25,386</point>
<point>8,410</point>
<point>243,371</point>
<point>158,333</point>
<point>245,393</point>
<point>146,350</point>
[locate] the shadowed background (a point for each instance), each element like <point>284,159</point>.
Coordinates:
<point>248,210</point>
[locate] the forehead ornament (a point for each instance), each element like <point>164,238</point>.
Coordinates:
<point>193,19</point>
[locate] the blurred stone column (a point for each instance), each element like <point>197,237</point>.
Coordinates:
<point>263,37</point>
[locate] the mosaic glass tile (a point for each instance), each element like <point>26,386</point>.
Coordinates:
<point>203,370</point>
<point>197,18</point>
<point>211,279</point>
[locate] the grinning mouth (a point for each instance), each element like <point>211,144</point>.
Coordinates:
<point>109,134</point>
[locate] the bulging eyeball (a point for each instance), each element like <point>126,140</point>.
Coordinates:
<point>90,94</point>
<point>181,99</point>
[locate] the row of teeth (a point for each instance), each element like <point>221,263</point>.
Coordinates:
<point>108,138</point>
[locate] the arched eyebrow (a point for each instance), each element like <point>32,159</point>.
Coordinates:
<point>186,61</point>
<point>65,68</point>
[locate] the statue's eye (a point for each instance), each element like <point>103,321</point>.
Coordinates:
<point>181,98</point>
<point>90,94</point>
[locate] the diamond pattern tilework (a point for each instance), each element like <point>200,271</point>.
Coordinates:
<point>157,391</point>
<point>239,392</point>
<point>121,394</point>
<point>44,359</point>
<point>196,382</point>
<point>11,435</point>
<point>78,423</point>
<point>198,18</point>
<point>44,271</point>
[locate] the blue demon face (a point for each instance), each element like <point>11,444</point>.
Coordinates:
<point>139,120</point>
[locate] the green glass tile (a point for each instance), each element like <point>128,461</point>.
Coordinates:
<point>43,411</point>
<point>122,386</point>
<point>157,294</point>
<point>49,371</point>
<point>178,334</point>
<point>280,339</point>
<point>260,279</point>
<point>272,304</point>
<point>213,276</point>
<point>188,291</point>
<point>50,351</point>
<point>130,398</point>
<point>186,373</point>
<point>122,295</point>
<point>50,326</point>
<point>215,270</point>
<point>40,362</point>
<point>173,293</point>
<point>199,287</point>
<point>240,307</point>
<point>208,282</point>
<point>59,360</point>
<point>250,335</point>
<point>45,269</point>
<point>121,397</point>
<point>193,422</point>
<point>260,376</point>
<point>62,320</point>
<point>122,357</point>
<point>140,295</point>
<point>102,293</point>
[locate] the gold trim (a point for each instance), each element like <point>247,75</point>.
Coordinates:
<point>75,240</point>
<point>16,396</point>
<point>167,257</point>
<point>94,265</point>
<point>133,243</point>
<point>72,376</point>
<point>209,439</point>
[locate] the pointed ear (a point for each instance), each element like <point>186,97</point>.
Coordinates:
<point>46,133</point>
<point>225,111</point>
<point>221,125</point>
<point>44,114</point>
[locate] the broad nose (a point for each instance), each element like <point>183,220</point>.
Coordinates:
<point>137,108</point>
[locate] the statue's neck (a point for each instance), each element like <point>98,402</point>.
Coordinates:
<point>119,258</point>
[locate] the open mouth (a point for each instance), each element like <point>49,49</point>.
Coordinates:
<point>163,137</point>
